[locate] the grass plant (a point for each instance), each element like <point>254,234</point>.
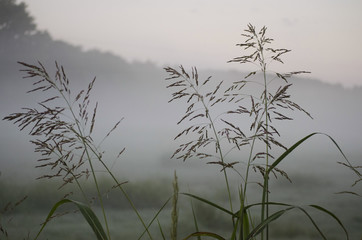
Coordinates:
<point>62,129</point>
<point>206,126</point>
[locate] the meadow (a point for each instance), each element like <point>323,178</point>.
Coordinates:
<point>247,195</point>
<point>149,195</point>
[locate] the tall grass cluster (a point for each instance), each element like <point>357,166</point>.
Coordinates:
<point>213,130</point>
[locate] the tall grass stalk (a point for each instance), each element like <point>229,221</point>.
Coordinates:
<point>193,86</point>
<point>174,212</point>
<point>262,108</point>
<point>258,41</point>
<point>63,137</point>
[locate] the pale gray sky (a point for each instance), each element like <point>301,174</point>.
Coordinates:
<point>324,35</point>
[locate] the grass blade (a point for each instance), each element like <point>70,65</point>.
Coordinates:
<point>154,218</point>
<point>242,220</point>
<point>161,231</point>
<point>258,229</point>
<point>208,202</point>
<point>289,150</point>
<point>313,222</point>
<point>270,203</point>
<point>245,226</point>
<point>205,234</point>
<point>87,213</point>
<point>195,219</point>
<point>332,215</point>
<point>290,207</point>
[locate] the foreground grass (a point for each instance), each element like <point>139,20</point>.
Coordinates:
<point>26,218</point>
<point>62,130</point>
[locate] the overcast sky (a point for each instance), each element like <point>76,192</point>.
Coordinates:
<point>324,35</point>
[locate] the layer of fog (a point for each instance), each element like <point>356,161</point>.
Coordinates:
<point>149,125</point>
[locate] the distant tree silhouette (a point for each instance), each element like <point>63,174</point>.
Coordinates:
<point>15,21</point>
<point>20,40</point>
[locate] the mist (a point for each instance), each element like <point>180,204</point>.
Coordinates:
<point>149,122</point>
<point>136,93</point>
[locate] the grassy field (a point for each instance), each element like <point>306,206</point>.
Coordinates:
<point>240,199</point>
<point>149,195</point>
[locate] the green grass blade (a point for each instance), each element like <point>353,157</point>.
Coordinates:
<point>246,229</point>
<point>119,186</point>
<point>313,222</point>
<point>333,216</point>
<point>242,220</point>
<point>270,203</point>
<point>245,226</point>
<point>290,207</point>
<point>195,219</point>
<point>161,231</point>
<point>87,213</point>
<point>289,150</point>
<point>209,203</point>
<point>258,229</point>
<point>92,220</point>
<point>205,234</point>
<point>275,163</point>
<point>154,218</point>
<point>233,235</point>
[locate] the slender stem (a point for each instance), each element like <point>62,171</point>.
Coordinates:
<point>241,213</point>
<point>221,158</point>
<point>53,84</point>
<point>122,190</point>
<point>82,138</point>
<point>97,187</point>
<point>265,197</point>
<point>266,176</point>
<point>247,173</point>
<point>218,145</point>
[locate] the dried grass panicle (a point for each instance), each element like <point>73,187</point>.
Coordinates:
<point>60,124</point>
<point>263,110</point>
<point>200,100</point>
<point>257,43</point>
